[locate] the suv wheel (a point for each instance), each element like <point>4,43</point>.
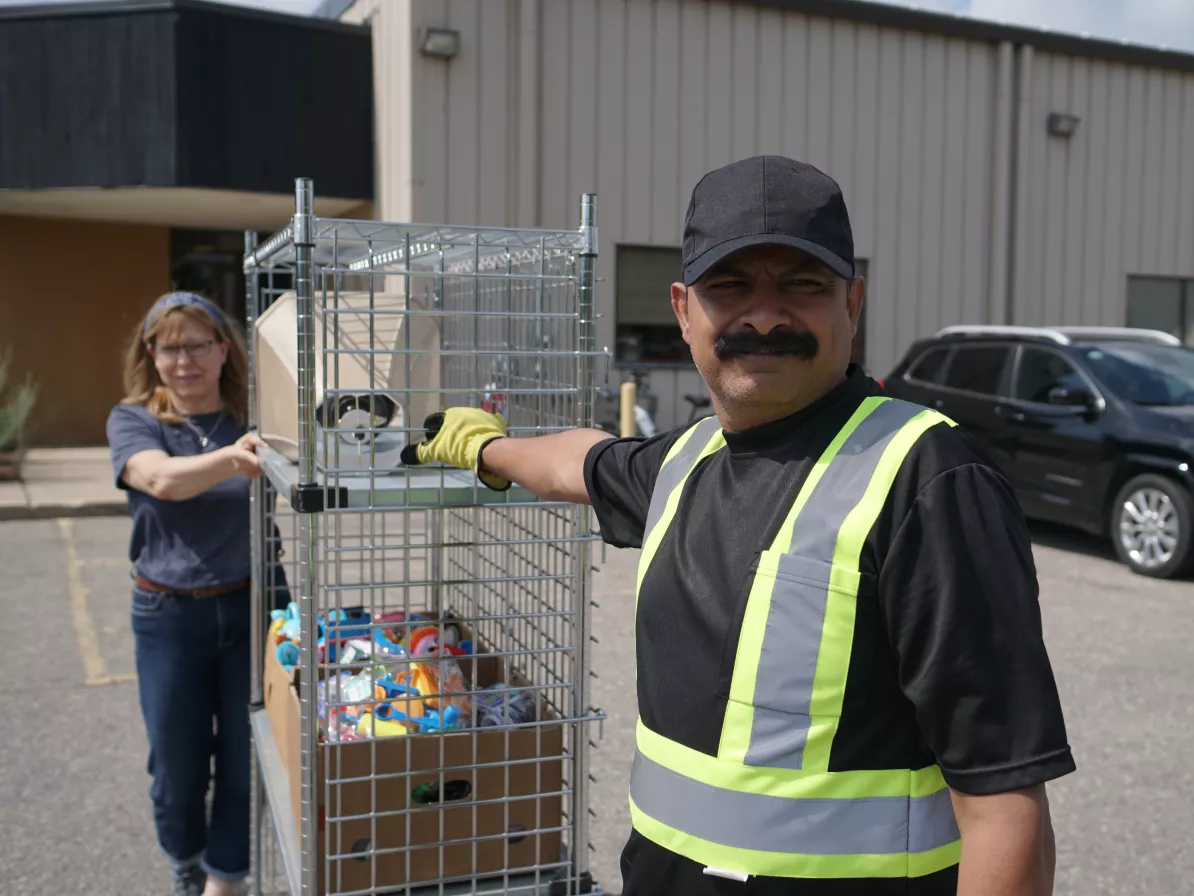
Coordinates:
<point>1150,526</point>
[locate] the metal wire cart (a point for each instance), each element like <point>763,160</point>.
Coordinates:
<point>421,719</point>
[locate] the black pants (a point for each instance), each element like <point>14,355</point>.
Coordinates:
<point>650,870</point>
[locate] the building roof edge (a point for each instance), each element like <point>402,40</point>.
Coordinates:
<point>970,28</point>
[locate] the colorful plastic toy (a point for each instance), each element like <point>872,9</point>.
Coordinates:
<point>344,625</point>
<point>288,654</point>
<point>370,725</point>
<point>291,623</point>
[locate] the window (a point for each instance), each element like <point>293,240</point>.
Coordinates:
<point>978,369</point>
<point>927,368</point>
<point>1042,371</point>
<point>647,331</point>
<point>1157,375</point>
<point>1162,303</point>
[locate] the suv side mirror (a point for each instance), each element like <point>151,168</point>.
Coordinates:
<point>1076,397</point>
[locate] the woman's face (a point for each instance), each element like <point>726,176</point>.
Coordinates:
<point>189,358</point>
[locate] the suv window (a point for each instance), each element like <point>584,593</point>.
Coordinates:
<point>1040,372</point>
<point>977,368</point>
<point>928,366</point>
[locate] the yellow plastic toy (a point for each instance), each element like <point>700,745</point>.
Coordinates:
<point>368,726</point>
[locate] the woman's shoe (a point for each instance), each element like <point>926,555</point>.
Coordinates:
<point>188,881</point>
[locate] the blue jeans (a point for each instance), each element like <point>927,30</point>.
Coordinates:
<point>193,667</point>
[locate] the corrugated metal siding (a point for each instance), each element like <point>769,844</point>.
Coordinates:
<point>639,98</point>
<point>1115,199</point>
<point>390,24</point>
<point>636,99</point>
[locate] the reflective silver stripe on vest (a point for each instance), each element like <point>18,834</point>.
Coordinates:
<point>674,471</point>
<point>886,825</point>
<point>784,682</point>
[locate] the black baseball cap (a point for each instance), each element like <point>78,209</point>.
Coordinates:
<point>766,200</point>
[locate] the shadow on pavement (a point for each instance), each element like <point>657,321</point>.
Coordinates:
<point>1052,535</point>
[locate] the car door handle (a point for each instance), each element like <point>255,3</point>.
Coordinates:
<point>1017,417</point>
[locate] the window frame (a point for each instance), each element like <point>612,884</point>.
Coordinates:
<point>1185,298</point>
<point>618,359</point>
<point>1100,401</point>
<point>931,348</point>
<point>1005,381</point>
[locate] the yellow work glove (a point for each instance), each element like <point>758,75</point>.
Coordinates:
<point>457,437</point>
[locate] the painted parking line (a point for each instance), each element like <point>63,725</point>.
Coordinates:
<point>95,672</point>
<point>106,562</point>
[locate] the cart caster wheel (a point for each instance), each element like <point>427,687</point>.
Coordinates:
<point>559,886</point>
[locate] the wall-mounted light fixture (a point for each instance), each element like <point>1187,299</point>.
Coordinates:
<point>1062,124</point>
<point>443,43</point>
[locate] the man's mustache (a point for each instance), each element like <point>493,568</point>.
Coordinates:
<point>777,342</point>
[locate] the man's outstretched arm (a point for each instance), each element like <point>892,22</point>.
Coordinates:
<point>550,467</point>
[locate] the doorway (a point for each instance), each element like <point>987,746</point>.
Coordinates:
<point>209,262</point>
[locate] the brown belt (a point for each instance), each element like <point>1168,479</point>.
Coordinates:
<point>214,590</point>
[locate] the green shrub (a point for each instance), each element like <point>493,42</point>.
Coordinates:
<point>16,405</point>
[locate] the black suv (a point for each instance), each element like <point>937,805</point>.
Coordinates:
<point>1094,426</point>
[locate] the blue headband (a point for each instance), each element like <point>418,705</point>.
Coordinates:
<point>189,299</point>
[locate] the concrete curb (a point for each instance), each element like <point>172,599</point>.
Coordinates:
<point>58,511</point>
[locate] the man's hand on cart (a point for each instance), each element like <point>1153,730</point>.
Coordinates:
<point>457,437</point>
<point>551,467</point>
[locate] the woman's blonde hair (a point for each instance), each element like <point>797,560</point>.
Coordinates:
<point>142,385</point>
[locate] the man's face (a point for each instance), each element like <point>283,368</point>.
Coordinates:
<point>770,330</point>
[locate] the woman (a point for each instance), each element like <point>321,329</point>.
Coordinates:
<point>180,449</point>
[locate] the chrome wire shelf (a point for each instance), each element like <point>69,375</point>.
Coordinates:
<point>418,248</point>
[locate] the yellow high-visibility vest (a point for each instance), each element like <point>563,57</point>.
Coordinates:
<point>767,804</point>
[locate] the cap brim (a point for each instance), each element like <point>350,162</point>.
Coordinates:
<point>699,266</point>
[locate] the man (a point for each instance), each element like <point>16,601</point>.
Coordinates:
<point>842,683</point>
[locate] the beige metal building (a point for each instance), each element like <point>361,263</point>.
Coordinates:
<point>994,174</point>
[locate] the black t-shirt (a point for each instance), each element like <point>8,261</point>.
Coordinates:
<point>948,663</point>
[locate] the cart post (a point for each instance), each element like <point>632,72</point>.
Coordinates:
<point>257,492</point>
<point>256,604</point>
<point>586,345</point>
<point>304,286</point>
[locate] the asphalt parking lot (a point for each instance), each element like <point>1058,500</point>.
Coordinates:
<point>74,803</point>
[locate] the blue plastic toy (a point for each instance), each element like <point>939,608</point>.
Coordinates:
<point>386,646</point>
<point>292,627</point>
<point>288,655</point>
<point>344,625</point>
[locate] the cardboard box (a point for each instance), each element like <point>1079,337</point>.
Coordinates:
<point>519,827</point>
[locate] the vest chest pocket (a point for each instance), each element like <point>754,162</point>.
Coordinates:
<point>791,661</point>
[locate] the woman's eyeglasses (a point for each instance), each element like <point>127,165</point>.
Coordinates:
<point>192,349</point>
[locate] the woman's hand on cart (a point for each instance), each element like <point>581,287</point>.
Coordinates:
<point>244,455</point>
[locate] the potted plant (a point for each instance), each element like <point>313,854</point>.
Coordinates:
<point>16,404</point>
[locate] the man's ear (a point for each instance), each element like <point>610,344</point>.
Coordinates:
<point>855,297</point>
<point>680,308</point>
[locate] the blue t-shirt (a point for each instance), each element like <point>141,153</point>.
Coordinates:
<point>197,543</point>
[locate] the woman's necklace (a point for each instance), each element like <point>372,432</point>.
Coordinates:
<point>205,437</point>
